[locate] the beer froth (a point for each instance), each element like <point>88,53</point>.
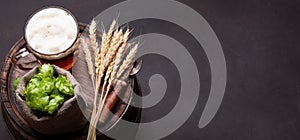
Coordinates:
<point>51,31</point>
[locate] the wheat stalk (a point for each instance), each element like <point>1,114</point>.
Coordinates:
<point>94,43</point>
<point>101,103</point>
<point>110,56</point>
<point>112,70</point>
<point>104,58</point>
<point>99,58</point>
<point>113,67</point>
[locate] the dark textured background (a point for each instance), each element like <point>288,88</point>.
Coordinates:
<point>260,39</point>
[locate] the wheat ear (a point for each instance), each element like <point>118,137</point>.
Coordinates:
<point>106,40</point>
<point>88,58</point>
<point>120,55</point>
<point>93,36</point>
<point>112,50</point>
<point>128,60</point>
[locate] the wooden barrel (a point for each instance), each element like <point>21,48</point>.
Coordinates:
<point>20,129</point>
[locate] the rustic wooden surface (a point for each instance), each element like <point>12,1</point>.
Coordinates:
<point>17,126</point>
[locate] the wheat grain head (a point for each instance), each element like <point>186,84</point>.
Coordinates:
<point>128,60</point>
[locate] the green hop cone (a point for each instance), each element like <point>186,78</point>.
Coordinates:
<point>64,86</point>
<point>44,92</point>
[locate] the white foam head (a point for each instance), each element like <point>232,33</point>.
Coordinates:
<point>51,31</point>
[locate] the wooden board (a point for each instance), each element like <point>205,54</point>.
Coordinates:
<point>18,127</point>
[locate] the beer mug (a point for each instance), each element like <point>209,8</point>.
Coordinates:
<point>51,35</point>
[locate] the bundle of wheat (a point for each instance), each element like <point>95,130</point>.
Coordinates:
<point>108,66</point>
